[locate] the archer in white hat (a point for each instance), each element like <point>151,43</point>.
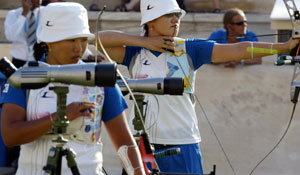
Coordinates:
<point>64,34</point>
<point>172,120</point>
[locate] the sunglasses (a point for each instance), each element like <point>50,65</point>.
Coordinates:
<point>170,15</point>
<point>239,23</point>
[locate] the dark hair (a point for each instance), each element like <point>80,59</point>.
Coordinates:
<point>230,14</point>
<point>39,49</point>
<point>146,29</point>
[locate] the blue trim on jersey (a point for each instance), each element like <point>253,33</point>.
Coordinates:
<point>199,50</point>
<point>220,36</point>
<point>155,53</point>
<point>114,103</point>
<point>13,95</point>
<point>130,52</point>
<point>2,77</point>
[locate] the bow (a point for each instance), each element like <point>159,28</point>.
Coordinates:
<point>295,34</point>
<point>295,86</point>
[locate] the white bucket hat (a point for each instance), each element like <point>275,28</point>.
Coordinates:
<point>63,20</point>
<point>152,9</point>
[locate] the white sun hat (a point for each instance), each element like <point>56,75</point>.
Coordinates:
<point>63,20</point>
<point>152,9</point>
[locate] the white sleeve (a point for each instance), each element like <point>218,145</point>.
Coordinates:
<point>14,26</point>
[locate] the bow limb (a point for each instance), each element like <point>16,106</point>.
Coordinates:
<point>295,18</point>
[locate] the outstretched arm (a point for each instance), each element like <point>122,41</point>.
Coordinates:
<point>114,43</point>
<point>238,51</point>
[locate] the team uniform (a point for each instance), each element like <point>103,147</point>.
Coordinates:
<point>220,36</point>
<point>84,132</point>
<point>171,121</point>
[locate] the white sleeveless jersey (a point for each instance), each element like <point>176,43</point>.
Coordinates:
<point>85,132</point>
<point>169,119</point>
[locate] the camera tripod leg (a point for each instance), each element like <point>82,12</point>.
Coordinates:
<point>54,161</point>
<point>70,156</point>
<point>53,166</point>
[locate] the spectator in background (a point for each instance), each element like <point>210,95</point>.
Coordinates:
<point>46,2</point>
<point>20,27</point>
<point>94,6</point>
<point>130,4</point>
<point>217,6</point>
<point>235,30</point>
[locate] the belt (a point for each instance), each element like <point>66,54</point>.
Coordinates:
<point>163,146</point>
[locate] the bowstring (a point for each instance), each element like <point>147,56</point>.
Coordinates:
<point>293,21</point>
<point>208,121</point>
<point>197,99</point>
<point>118,71</point>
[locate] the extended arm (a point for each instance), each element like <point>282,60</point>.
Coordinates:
<point>238,51</point>
<point>114,43</point>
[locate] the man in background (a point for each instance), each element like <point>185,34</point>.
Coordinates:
<point>20,28</point>
<point>235,30</point>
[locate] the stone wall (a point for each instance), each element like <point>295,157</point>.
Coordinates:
<point>192,25</point>
<point>253,6</point>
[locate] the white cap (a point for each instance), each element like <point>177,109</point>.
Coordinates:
<point>63,20</point>
<point>152,9</point>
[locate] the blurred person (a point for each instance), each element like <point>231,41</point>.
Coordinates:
<point>94,6</point>
<point>130,4</point>
<point>46,2</point>
<point>20,28</point>
<point>217,6</point>
<point>235,30</point>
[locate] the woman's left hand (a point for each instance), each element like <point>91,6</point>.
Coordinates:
<point>292,43</point>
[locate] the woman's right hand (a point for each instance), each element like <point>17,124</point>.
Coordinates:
<point>79,109</point>
<point>159,43</point>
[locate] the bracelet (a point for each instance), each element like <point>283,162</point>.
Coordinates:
<point>271,49</point>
